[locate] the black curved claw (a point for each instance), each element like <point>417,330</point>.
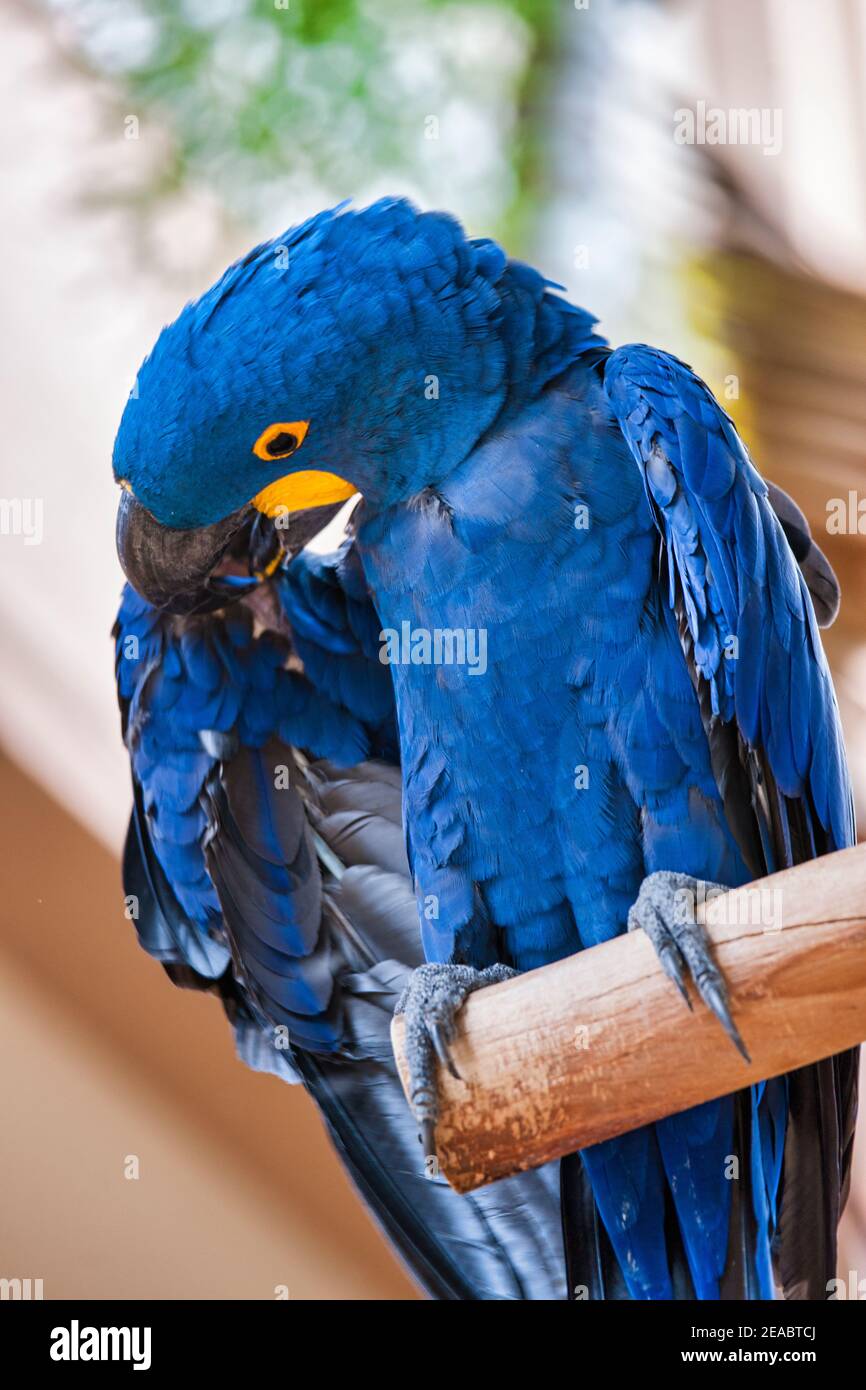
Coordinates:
<point>428,1144</point>
<point>439,1038</point>
<point>715,998</point>
<point>671,961</point>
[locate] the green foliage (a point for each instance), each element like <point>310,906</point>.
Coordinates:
<point>281,103</point>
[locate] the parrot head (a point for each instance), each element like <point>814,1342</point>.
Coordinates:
<point>360,353</point>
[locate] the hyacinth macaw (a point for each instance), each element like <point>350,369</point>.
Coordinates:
<point>316,816</point>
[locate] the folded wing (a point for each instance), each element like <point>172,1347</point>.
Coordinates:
<point>267,860</point>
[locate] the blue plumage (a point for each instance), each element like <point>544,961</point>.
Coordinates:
<point>654,693</point>
<point>193,694</point>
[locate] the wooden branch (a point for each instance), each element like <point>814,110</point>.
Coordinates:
<point>602,1042</point>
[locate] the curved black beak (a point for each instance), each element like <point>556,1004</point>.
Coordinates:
<point>175,569</point>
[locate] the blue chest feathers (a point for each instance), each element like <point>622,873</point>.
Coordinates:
<point>518,612</point>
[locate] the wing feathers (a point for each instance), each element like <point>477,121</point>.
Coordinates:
<point>749,634</point>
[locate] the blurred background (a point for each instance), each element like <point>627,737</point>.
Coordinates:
<point>693,173</point>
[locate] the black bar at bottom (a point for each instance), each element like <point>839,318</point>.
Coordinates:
<point>260,1340</point>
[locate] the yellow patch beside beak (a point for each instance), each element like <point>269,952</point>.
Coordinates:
<point>299,491</point>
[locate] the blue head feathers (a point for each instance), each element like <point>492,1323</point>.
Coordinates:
<point>385,330</point>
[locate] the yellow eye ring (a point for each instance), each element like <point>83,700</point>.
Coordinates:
<point>281,440</point>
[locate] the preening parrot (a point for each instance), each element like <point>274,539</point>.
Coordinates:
<point>564,665</point>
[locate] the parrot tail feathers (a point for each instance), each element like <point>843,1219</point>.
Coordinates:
<point>593,1271</point>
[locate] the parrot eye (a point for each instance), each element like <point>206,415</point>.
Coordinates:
<point>281,440</point>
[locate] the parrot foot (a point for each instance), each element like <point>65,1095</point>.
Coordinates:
<point>665,909</point>
<point>430,1002</point>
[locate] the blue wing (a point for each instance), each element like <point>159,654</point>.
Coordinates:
<point>749,635</point>
<point>277,878</point>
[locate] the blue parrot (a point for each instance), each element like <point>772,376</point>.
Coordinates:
<point>564,669</point>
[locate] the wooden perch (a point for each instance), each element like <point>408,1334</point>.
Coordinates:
<point>602,1042</point>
